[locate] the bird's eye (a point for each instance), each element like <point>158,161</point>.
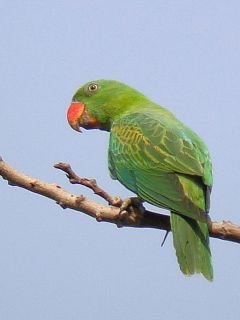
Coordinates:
<point>93,87</point>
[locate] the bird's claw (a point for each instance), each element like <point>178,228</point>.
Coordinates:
<point>131,212</point>
<point>131,202</point>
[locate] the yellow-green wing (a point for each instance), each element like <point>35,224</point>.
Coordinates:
<point>161,160</point>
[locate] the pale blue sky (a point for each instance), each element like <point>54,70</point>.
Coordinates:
<point>57,264</point>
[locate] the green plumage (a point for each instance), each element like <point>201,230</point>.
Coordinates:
<point>162,161</point>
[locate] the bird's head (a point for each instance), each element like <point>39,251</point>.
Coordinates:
<point>97,103</point>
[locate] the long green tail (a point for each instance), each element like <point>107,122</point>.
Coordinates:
<point>191,241</point>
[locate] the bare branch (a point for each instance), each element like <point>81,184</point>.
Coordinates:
<point>89,183</point>
<point>224,230</point>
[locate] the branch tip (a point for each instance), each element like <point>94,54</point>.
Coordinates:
<point>62,166</point>
<point>89,183</point>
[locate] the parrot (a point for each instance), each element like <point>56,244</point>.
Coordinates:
<point>158,158</point>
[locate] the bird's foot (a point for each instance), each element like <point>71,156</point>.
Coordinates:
<point>131,212</point>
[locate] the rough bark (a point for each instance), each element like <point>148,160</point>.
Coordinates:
<point>224,230</point>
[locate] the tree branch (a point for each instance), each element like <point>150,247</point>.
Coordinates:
<point>89,183</point>
<point>224,230</point>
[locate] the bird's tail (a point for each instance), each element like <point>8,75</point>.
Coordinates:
<point>191,241</point>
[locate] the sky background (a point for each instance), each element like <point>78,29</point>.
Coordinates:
<point>59,264</point>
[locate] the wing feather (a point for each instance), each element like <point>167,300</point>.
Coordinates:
<point>149,148</point>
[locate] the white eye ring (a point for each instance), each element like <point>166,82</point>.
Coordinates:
<point>92,87</point>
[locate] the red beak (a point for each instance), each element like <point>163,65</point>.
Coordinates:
<point>74,114</point>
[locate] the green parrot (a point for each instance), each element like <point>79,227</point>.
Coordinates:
<point>157,157</point>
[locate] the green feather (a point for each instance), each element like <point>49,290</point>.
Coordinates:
<point>167,167</point>
<point>160,159</point>
<point>191,241</point>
